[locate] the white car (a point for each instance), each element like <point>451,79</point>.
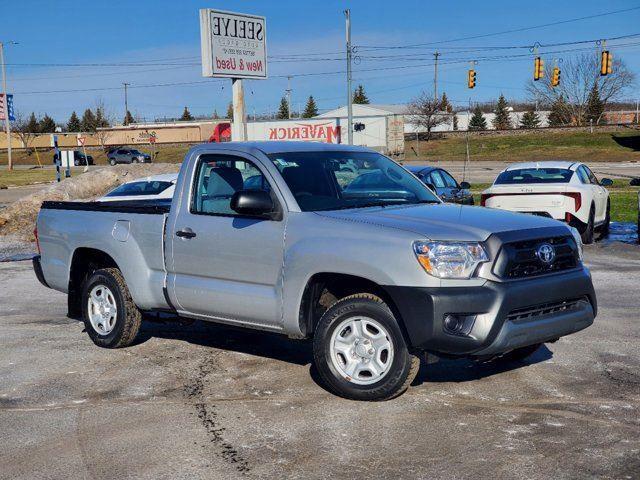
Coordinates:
<point>566,191</point>
<point>156,187</point>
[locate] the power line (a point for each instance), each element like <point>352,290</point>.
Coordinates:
<point>514,30</point>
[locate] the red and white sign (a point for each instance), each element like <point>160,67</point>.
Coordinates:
<point>233,44</point>
<point>81,140</point>
<point>327,132</point>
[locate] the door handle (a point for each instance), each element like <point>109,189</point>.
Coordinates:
<point>186,233</point>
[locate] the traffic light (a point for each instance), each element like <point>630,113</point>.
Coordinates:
<point>606,63</point>
<point>538,69</point>
<point>555,78</point>
<point>471,78</point>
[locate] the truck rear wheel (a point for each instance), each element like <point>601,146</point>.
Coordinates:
<point>360,352</point>
<point>110,317</point>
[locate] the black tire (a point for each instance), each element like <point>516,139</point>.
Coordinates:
<point>606,226</point>
<point>112,162</point>
<point>404,365</point>
<point>128,317</point>
<point>135,160</point>
<point>76,163</point>
<point>587,234</point>
<point>519,354</point>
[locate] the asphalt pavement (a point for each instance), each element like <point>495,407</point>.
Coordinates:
<point>206,401</point>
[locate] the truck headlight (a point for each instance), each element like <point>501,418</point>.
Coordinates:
<point>578,240</point>
<point>450,259</point>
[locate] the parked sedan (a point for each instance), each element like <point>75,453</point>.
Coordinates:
<point>127,155</point>
<point>567,191</point>
<point>156,187</point>
<point>443,184</point>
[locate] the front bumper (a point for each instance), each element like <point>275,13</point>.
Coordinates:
<point>494,303</point>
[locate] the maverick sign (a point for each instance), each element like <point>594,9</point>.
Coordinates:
<point>233,45</point>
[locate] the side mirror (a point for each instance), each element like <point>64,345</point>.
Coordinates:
<point>465,185</point>
<point>606,182</point>
<point>252,202</point>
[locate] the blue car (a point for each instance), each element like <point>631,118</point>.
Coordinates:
<point>443,184</point>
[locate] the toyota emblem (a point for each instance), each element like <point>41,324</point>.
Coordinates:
<point>546,253</point>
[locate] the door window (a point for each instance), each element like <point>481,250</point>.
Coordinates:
<point>448,179</point>
<point>583,175</point>
<point>218,177</point>
<point>437,180</point>
<point>592,177</point>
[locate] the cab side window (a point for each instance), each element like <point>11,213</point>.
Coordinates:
<point>218,177</point>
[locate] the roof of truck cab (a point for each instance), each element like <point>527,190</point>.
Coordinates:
<point>545,164</point>
<point>269,147</point>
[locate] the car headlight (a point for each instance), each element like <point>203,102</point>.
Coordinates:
<point>578,239</point>
<point>450,259</point>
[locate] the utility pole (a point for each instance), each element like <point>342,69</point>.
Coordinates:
<point>435,77</point>
<point>239,112</point>
<point>126,100</point>
<point>347,14</point>
<point>288,90</point>
<point>7,124</point>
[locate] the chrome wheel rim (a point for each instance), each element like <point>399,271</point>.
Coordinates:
<point>102,308</point>
<point>361,350</point>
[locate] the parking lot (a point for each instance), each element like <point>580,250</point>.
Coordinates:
<point>205,401</point>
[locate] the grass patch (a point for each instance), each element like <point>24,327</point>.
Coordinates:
<point>538,145</point>
<point>624,199</point>
<point>21,177</point>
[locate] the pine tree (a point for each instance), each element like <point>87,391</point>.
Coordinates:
<point>230,111</point>
<point>359,96</point>
<point>310,110</point>
<point>186,115</point>
<point>558,114</point>
<point>530,119</point>
<point>283,110</point>
<point>128,118</point>
<point>477,121</point>
<point>88,122</point>
<point>595,106</point>
<point>101,120</point>
<point>445,106</point>
<point>455,122</point>
<point>502,121</point>
<point>47,125</point>
<point>33,126</point>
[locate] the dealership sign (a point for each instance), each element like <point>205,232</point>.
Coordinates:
<point>6,107</point>
<point>234,45</point>
<point>324,132</point>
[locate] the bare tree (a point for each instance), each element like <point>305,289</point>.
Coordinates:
<point>104,120</point>
<point>25,130</point>
<point>577,77</point>
<point>426,112</point>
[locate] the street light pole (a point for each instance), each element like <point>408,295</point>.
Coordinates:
<point>435,76</point>
<point>288,90</point>
<point>347,14</point>
<point>7,124</point>
<point>126,101</point>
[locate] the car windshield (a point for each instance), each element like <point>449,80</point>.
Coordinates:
<point>339,180</point>
<point>140,188</point>
<point>135,152</point>
<point>534,175</point>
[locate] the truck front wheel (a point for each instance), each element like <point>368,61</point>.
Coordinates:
<point>110,316</point>
<point>360,352</point>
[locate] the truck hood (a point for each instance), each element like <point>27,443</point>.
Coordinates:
<point>445,221</point>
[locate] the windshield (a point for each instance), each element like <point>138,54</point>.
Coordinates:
<point>339,180</point>
<point>534,175</point>
<point>140,188</point>
<point>135,152</point>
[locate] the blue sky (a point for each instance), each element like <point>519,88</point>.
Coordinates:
<point>164,36</point>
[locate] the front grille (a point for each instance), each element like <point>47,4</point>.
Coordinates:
<point>520,260</point>
<point>527,313</point>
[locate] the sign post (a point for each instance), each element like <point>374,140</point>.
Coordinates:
<point>234,45</point>
<point>81,142</point>
<point>6,114</point>
<point>56,156</point>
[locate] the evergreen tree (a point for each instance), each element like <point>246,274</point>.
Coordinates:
<point>101,120</point>
<point>477,121</point>
<point>310,110</point>
<point>47,125</point>
<point>558,115</point>
<point>283,110</point>
<point>455,122</point>
<point>359,96</point>
<point>186,115</point>
<point>501,121</point>
<point>445,106</point>
<point>128,118</point>
<point>88,122</point>
<point>595,106</point>
<point>230,111</point>
<point>33,126</point>
<point>530,119</point>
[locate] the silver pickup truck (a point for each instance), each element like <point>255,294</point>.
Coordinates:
<point>277,236</point>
